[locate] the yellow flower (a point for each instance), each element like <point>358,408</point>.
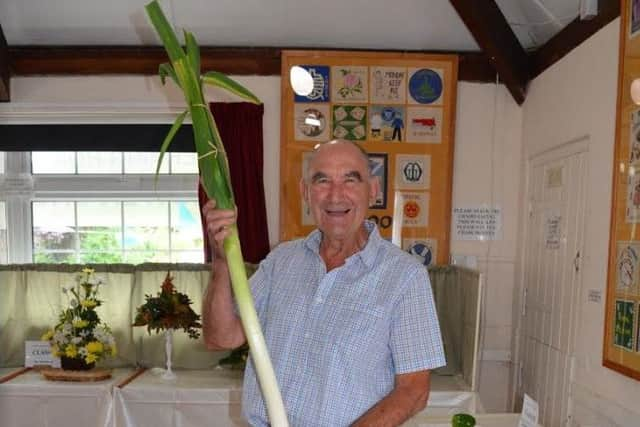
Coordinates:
<point>90,358</point>
<point>80,323</point>
<point>88,303</point>
<point>71,351</point>
<point>55,351</point>
<point>95,347</point>
<point>114,350</point>
<point>47,335</point>
<point>88,270</point>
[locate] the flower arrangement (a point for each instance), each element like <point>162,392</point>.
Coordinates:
<point>79,333</point>
<point>169,310</point>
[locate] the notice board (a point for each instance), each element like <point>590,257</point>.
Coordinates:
<point>400,107</point>
<point>621,344</point>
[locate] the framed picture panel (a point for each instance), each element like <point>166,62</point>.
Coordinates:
<point>621,347</point>
<point>400,108</point>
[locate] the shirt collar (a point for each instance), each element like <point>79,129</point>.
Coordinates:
<point>367,254</point>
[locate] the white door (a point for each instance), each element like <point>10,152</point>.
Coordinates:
<point>553,252</point>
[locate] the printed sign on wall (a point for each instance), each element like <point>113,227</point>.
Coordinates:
<point>424,124</point>
<point>477,223</point>
<point>388,85</point>
<point>413,172</point>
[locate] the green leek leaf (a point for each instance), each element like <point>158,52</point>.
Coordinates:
<point>165,70</point>
<point>193,52</point>
<point>167,139</point>
<point>215,78</point>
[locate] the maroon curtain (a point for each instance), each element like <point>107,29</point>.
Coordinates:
<point>240,126</point>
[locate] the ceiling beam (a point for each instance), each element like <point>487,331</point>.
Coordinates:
<point>4,69</point>
<point>496,39</point>
<point>571,36</point>
<point>91,60</point>
<point>264,61</point>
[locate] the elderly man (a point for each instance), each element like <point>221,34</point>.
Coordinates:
<point>348,317</point>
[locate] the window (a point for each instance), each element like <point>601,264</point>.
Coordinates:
<point>117,231</point>
<point>3,234</point>
<point>102,207</point>
<point>101,162</point>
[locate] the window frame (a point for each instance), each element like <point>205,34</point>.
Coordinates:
<point>19,187</point>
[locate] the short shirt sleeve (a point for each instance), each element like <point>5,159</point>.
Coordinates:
<point>416,343</point>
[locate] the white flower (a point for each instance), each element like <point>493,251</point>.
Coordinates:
<point>76,340</point>
<point>59,337</point>
<point>82,351</point>
<point>67,328</point>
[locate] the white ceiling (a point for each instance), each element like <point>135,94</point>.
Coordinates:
<point>368,24</point>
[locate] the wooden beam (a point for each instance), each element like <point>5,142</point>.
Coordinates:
<point>264,61</point>
<point>495,37</point>
<point>571,36</point>
<point>4,69</point>
<point>78,60</point>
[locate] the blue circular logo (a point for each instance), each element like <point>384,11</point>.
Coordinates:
<point>388,114</point>
<point>422,252</point>
<point>425,86</point>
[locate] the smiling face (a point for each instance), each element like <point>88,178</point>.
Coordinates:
<point>339,189</point>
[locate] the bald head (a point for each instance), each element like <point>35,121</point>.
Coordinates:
<point>361,152</point>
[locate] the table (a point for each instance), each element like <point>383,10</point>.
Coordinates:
<point>29,400</point>
<point>197,397</point>
<point>212,398</point>
<point>194,399</point>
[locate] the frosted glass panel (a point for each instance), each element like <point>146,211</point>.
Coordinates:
<point>3,234</point>
<point>184,163</point>
<point>90,162</point>
<point>53,162</point>
<point>144,163</point>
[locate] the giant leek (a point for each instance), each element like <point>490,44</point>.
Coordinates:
<point>184,70</point>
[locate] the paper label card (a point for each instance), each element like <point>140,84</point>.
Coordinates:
<point>38,353</point>
<point>529,416</point>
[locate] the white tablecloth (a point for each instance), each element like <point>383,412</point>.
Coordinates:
<point>194,399</point>
<point>482,420</point>
<point>212,398</point>
<point>29,400</point>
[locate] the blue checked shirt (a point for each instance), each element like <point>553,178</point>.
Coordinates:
<point>337,339</point>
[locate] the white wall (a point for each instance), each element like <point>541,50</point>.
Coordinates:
<point>486,170</point>
<point>576,97</point>
<point>487,157</point>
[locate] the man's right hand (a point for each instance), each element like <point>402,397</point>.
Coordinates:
<point>218,223</point>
